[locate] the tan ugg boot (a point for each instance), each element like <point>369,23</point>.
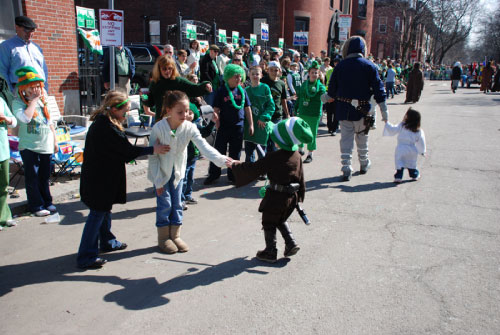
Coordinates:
<point>164,242</point>
<point>175,235</point>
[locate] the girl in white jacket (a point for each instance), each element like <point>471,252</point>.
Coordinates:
<point>166,171</point>
<point>411,143</point>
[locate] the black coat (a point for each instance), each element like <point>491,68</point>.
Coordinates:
<point>207,69</point>
<point>103,181</point>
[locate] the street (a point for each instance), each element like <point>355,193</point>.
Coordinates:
<point>378,258</point>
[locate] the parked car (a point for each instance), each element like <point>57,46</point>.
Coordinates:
<point>145,57</point>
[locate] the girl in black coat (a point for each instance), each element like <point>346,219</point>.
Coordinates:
<point>103,179</point>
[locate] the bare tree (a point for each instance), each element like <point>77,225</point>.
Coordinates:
<point>453,22</point>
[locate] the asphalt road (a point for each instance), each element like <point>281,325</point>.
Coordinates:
<point>417,258</point>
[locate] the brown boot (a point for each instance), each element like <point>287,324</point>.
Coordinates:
<point>175,235</point>
<point>165,244</point>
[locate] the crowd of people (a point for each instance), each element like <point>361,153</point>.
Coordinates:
<point>269,103</point>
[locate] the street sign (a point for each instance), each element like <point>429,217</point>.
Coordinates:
<point>281,42</point>
<point>413,54</point>
<point>85,17</point>
<point>222,36</point>
<point>343,34</point>
<point>300,38</point>
<point>253,39</point>
<point>190,31</point>
<point>264,31</point>
<point>111,24</point>
<point>235,37</point>
<point>345,20</point>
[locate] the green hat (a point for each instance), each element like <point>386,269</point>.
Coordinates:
<point>195,110</point>
<point>231,70</point>
<point>27,75</point>
<point>289,133</point>
<point>314,65</point>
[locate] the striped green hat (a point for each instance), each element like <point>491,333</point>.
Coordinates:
<point>289,133</point>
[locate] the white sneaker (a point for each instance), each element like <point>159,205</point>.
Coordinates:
<point>52,208</point>
<point>42,212</point>
<point>10,223</point>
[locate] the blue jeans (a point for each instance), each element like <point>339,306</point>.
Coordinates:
<point>97,227</point>
<point>250,147</point>
<point>389,86</point>
<point>187,184</point>
<point>36,176</point>
<point>169,204</point>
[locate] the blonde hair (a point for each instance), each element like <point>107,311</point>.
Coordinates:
<point>112,99</point>
<point>164,60</point>
<point>21,92</point>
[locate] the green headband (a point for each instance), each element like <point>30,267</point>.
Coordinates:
<point>122,103</point>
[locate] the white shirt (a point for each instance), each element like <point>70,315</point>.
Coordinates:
<point>161,166</point>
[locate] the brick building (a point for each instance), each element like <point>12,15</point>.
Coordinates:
<point>56,36</point>
<point>283,17</point>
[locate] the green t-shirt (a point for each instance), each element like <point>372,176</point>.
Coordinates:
<point>309,101</point>
<point>262,110</point>
<point>4,141</point>
<point>35,135</point>
<point>121,62</point>
<point>278,91</point>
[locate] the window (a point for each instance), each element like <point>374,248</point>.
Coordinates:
<point>397,24</point>
<point>10,9</point>
<point>332,3</point>
<point>141,54</point>
<point>154,31</point>
<point>362,8</point>
<point>301,24</point>
<point>382,24</point>
<point>380,50</point>
<point>256,25</point>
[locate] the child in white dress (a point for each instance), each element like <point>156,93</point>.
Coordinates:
<point>411,143</point>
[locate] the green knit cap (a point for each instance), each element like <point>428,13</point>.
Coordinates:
<point>195,110</point>
<point>289,133</point>
<point>27,75</point>
<point>314,65</point>
<point>231,70</point>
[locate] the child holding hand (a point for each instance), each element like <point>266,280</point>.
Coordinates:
<point>411,143</point>
<point>166,171</point>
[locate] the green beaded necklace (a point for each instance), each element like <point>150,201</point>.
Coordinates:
<point>231,96</point>
<point>314,89</point>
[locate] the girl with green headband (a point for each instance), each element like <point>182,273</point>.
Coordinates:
<point>232,105</point>
<point>309,106</point>
<point>103,180</point>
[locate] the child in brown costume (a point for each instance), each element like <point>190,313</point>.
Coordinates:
<point>287,186</point>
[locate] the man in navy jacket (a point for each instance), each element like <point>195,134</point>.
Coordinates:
<point>354,80</point>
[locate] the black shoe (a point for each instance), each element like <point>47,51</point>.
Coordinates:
<point>309,159</point>
<point>333,133</point>
<point>270,256</point>
<point>97,264</point>
<point>191,201</point>
<point>184,206</point>
<point>210,180</point>
<point>291,249</point>
<point>301,152</point>
<point>122,246</point>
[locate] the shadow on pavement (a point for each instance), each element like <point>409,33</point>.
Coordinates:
<point>366,187</point>
<point>135,294</point>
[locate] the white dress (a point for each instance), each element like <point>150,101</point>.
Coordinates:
<point>410,145</point>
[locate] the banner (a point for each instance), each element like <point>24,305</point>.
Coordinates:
<point>190,31</point>
<point>253,39</point>
<point>281,42</point>
<point>92,40</point>
<point>300,38</point>
<point>264,31</point>
<point>85,17</point>
<point>235,37</point>
<point>111,24</point>
<point>222,36</point>
<point>203,46</point>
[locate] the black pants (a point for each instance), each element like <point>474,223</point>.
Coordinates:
<point>331,122</point>
<point>232,136</point>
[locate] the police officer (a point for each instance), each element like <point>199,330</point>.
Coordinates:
<point>353,82</point>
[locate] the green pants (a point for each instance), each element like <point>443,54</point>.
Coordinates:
<point>313,122</point>
<point>4,182</point>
